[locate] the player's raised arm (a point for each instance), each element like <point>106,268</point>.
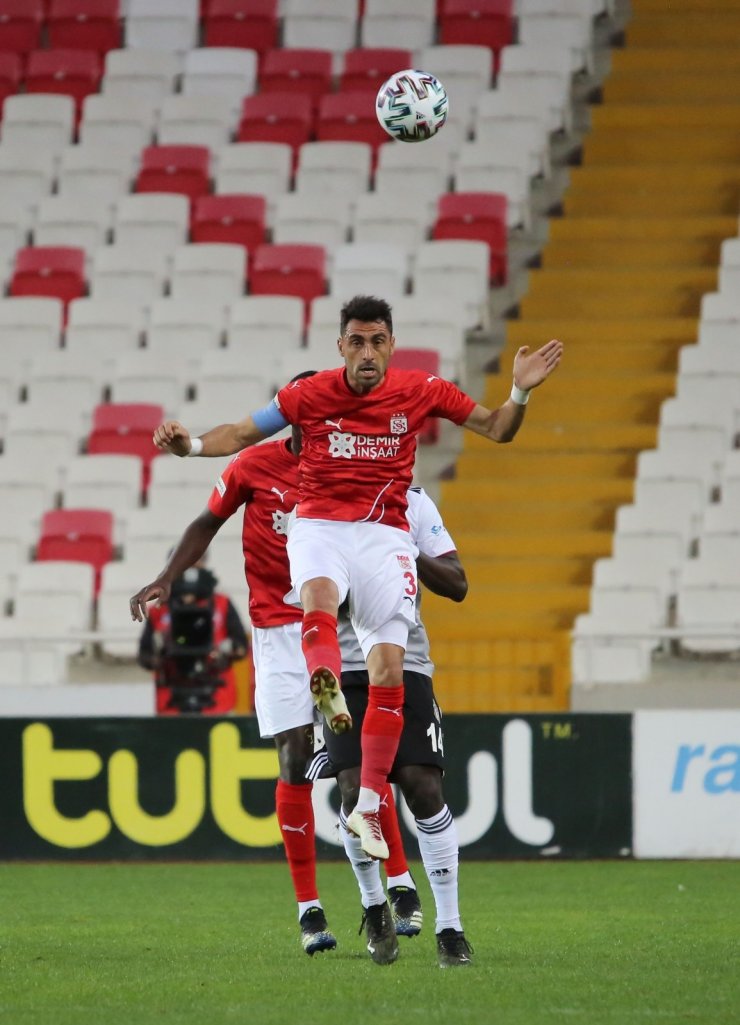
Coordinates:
<point>530,370</point>
<point>224,440</point>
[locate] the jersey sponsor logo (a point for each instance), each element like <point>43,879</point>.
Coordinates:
<point>363,446</point>
<point>437,529</point>
<point>404,561</point>
<point>280,522</point>
<point>221,486</point>
<point>335,423</point>
<point>399,425</point>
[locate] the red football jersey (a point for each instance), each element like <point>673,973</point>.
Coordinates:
<point>357,455</point>
<point>265,480</point>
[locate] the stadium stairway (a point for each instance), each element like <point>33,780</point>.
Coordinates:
<point>620,282</point>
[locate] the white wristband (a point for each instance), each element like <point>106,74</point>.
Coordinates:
<point>519,395</point>
<point>196,446</point>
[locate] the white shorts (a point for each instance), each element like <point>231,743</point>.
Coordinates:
<point>282,697</point>
<point>373,563</point>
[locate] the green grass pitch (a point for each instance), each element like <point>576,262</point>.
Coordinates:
<point>579,942</point>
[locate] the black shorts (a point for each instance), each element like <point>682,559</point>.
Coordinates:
<point>421,740</point>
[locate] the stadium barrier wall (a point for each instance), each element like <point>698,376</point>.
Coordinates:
<point>190,788</point>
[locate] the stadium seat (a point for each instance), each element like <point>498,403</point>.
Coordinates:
<point>212,271</point>
<point>250,24</point>
<point>308,72</point>
<point>58,594</point>
<point>433,321</point>
<point>130,272</point>
<point>401,218</point>
<point>420,359</point>
<point>38,122</point>
<point>478,23</point>
<point>696,427</point>
<point>227,384</point>
<point>53,271</point>
<point>483,169</point>
<point>465,71</point>
<point>126,428</point>
<point>15,225</point>
<point>102,481</point>
<point>124,122</point>
<point>673,464</point>
<point>119,580</point>
<point>180,169</point>
<point>537,57</point>
<point>708,605</point>
<point>21,22</point>
<point>98,170</point>
<point>559,30</point>
<point>31,435</point>
<point>478,216</point>
<point>28,326</point>
<point>459,269</point>
<point>142,375</point>
<point>65,220</point>
<point>236,219</point>
<point>730,479</point>
<point>348,117</point>
<point>158,221</point>
<point>314,357</point>
<point>169,25</point>
<point>148,532</point>
<point>320,219</point>
<point>77,535</point>
<point>255,168</point>
<point>276,117</point>
<point>366,68</point>
<point>298,270</point>
<point>541,92</point>
<point>404,167</point>
<point>196,120</point>
<point>513,131</point>
<point>630,571</point>
<point>62,372</point>
<point>23,481</point>
<point>370,269</point>
<point>340,169</point>
<point>410,25</point>
<point>262,326</point>
<point>84,25</point>
<point>185,328</point>
<point>100,329</point>
<point>140,73</point>
<point>220,71</point>
<point>10,75</point>
<point>74,73</point>
<point>326,24</point>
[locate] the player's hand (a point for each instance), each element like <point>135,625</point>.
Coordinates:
<point>532,368</point>
<point>172,437</point>
<point>159,591</point>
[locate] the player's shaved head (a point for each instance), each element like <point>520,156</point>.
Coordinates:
<point>368,309</point>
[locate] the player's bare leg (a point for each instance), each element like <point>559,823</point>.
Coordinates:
<point>320,600</point>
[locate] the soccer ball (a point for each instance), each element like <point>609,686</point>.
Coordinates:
<point>412,105</point>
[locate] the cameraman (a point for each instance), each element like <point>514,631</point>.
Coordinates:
<point>190,643</point>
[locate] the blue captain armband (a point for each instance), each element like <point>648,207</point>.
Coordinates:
<point>269,420</point>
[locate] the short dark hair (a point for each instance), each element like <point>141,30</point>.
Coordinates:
<point>303,373</point>
<point>366,308</point>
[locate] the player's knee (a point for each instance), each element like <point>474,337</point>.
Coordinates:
<point>422,790</point>
<point>294,748</point>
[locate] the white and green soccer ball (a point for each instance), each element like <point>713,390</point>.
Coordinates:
<point>412,105</point>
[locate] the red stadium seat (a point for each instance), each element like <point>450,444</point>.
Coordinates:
<point>427,360</point>
<point>475,215</point>
<point>77,535</point>
<point>10,75</point>
<point>20,24</point>
<point>289,270</point>
<point>74,73</point>
<point>55,271</point>
<point>181,169</point>
<point>277,117</point>
<point>348,117</point>
<point>366,69</point>
<point>84,25</point>
<point>296,71</point>
<point>477,23</point>
<point>251,24</point>
<point>238,219</point>
<point>126,428</point>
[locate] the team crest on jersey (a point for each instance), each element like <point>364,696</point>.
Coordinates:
<point>399,425</point>
<point>404,562</point>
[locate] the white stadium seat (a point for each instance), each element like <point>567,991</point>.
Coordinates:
<point>170,25</point>
<point>26,176</point>
<point>220,71</point>
<point>159,220</point>
<point>142,72</point>
<point>313,218</point>
<point>370,269</point>
<point>212,271</point>
<point>339,169</point>
<point>196,120</point>
<point>38,121</point>
<point>102,171</point>
<point>100,329</point>
<point>410,25</point>
<point>261,168</point>
<point>320,24</point>
<point>133,273</point>
<point>397,218</point>
<point>124,121</point>
<point>72,221</point>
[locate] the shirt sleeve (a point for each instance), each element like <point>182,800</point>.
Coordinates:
<point>231,489</point>
<point>449,401</point>
<point>427,528</point>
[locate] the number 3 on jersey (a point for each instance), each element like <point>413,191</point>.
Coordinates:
<point>411,586</point>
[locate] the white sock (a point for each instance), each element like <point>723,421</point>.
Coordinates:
<point>368,800</point>
<point>366,870</point>
<point>439,851</point>
<point>402,880</point>
<point>304,905</point>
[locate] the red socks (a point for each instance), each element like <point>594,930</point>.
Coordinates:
<point>295,817</point>
<point>395,864</point>
<point>319,642</point>
<point>381,732</point>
